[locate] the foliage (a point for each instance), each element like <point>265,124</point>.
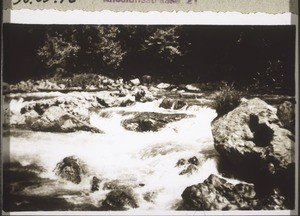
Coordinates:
<point>164,43</point>
<point>83,48</point>
<point>58,52</point>
<point>273,76</point>
<point>261,56</point>
<point>226,99</point>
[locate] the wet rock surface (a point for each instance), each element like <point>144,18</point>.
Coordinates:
<point>119,199</point>
<point>150,121</point>
<point>71,169</point>
<point>216,193</point>
<point>95,184</point>
<point>252,139</point>
<point>55,119</point>
<point>189,166</point>
<point>171,103</point>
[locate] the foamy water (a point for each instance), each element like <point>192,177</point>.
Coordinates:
<point>133,158</point>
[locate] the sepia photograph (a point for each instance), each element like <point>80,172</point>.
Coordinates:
<point>135,118</point>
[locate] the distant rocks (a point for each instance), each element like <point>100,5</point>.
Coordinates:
<point>146,79</point>
<point>71,169</point>
<point>216,193</point>
<point>192,88</point>
<point>150,121</point>
<point>135,81</point>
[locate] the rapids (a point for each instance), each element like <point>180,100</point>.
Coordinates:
<point>144,160</point>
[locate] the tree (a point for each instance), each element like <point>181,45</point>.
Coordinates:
<point>82,49</point>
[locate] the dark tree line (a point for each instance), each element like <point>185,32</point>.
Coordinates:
<point>245,55</point>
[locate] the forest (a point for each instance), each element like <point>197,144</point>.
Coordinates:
<point>259,57</point>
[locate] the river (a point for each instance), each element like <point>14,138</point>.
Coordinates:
<point>146,161</point>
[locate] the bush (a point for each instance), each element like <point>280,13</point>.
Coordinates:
<point>226,99</point>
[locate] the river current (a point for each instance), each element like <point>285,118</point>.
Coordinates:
<point>145,160</point>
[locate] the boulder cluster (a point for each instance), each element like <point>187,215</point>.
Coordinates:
<point>256,147</point>
<point>48,105</point>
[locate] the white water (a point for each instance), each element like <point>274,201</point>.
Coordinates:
<point>131,157</point>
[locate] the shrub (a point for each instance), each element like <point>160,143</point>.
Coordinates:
<point>226,99</point>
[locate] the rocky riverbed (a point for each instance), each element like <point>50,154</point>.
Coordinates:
<point>134,145</point>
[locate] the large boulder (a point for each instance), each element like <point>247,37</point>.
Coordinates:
<point>71,169</point>
<point>216,193</point>
<point>55,119</point>
<point>253,140</point>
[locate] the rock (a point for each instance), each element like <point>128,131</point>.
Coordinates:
<point>95,184</point>
<point>166,103</point>
<point>139,95</point>
<point>253,140</point>
<point>146,79</point>
<point>30,117</point>
<point>150,121</point>
<point>194,161</point>
<point>135,81</point>
<point>62,86</point>
<point>178,104</point>
<point>103,103</point>
<point>286,115</point>
<point>5,87</point>
<point>180,162</point>
<point>170,103</point>
<point>55,119</point>
<point>150,196</point>
<point>127,101</point>
<point>192,88</point>
<point>217,194</point>
<point>112,185</point>
<point>71,169</point>
<point>163,85</point>
<point>40,106</point>
<point>190,167</point>
<point>142,94</point>
<point>119,200</point>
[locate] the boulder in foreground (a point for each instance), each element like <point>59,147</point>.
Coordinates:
<point>217,194</point>
<point>253,140</point>
<point>119,200</point>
